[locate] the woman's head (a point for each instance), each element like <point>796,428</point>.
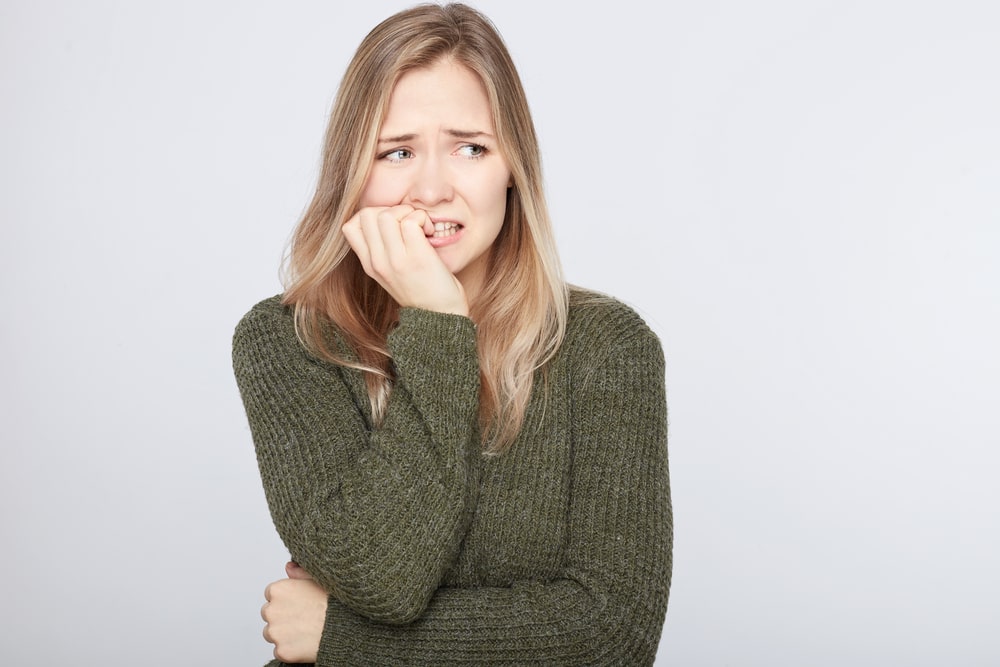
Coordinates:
<point>520,300</point>
<point>438,152</point>
<point>414,39</point>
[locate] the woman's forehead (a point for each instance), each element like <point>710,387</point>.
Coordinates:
<point>446,93</point>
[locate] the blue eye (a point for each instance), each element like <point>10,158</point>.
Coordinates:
<point>472,150</point>
<point>397,155</point>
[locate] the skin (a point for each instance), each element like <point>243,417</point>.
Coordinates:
<point>293,615</point>
<point>437,165</point>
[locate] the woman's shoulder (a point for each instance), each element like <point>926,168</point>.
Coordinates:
<point>601,323</point>
<point>268,321</point>
<point>597,312</point>
<point>269,308</point>
<point>269,314</point>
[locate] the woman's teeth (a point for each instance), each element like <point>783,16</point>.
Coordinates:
<point>442,229</point>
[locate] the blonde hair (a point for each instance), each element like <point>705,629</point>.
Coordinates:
<point>521,309</point>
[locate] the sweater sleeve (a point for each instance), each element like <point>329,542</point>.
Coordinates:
<point>608,603</point>
<point>375,514</point>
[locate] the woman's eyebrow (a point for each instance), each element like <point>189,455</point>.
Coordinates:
<point>458,134</point>
<point>402,138</point>
<point>468,134</point>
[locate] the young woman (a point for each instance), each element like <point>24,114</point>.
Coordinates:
<point>465,457</point>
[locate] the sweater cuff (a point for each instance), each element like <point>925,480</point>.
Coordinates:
<point>433,333</point>
<point>345,640</point>
<point>436,351</point>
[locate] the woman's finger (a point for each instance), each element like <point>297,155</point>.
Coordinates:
<point>413,229</point>
<point>388,223</point>
<point>295,571</point>
<point>369,223</point>
<point>356,239</point>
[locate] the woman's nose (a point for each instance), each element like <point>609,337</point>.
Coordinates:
<point>431,183</point>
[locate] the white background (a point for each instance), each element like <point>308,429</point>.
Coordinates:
<point>801,197</point>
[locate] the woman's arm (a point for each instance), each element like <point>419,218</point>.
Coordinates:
<point>608,604</point>
<point>376,515</point>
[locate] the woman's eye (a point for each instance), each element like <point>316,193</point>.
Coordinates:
<point>397,155</point>
<point>472,150</point>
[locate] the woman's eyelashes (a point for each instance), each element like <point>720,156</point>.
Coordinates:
<point>474,151</point>
<point>398,155</point>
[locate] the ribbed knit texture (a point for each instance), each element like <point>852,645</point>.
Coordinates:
<point>557,552</point>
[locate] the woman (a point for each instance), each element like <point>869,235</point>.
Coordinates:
<point>465,458</point>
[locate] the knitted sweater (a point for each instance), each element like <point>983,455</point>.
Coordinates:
<point>557,552</point>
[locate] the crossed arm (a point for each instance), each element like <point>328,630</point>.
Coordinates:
<point>377,522</point>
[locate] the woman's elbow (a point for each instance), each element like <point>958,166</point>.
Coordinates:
<point>393,604</point>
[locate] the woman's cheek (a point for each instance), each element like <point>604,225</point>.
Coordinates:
<point>380,190</point>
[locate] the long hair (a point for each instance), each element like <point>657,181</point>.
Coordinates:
<point>521,309</point>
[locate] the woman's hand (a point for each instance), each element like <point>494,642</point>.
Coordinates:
<point>393,248</point>
<point>294,614</point>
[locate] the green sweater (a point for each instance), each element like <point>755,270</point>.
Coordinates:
<point>557,552</point>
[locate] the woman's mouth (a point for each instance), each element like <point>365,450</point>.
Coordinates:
<point>445,233</point>
<point>444,229</point>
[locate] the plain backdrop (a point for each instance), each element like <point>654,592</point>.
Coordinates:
<point>801,198</point>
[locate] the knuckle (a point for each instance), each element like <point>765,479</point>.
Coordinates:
<point>275,590</point>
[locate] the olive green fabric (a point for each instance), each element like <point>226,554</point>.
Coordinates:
<point>557,552</point>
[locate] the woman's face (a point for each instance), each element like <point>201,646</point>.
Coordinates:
<point>438,152</point>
